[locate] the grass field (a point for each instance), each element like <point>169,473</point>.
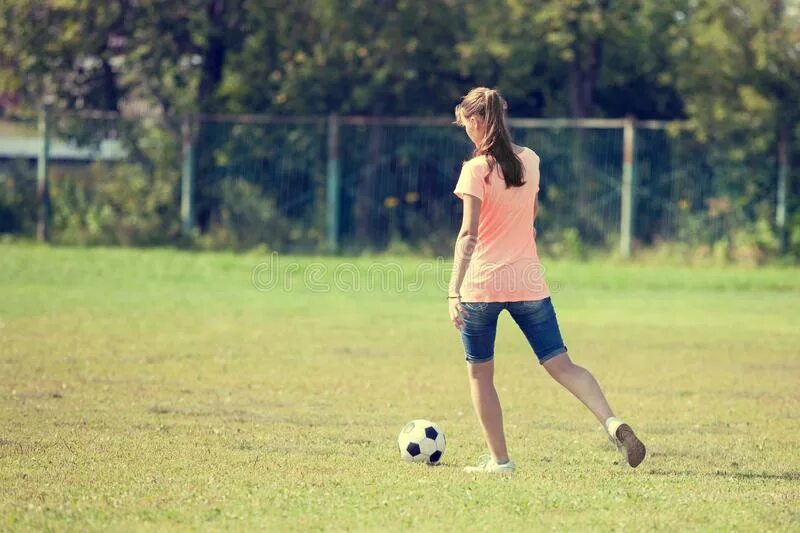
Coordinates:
<point>146,389</point>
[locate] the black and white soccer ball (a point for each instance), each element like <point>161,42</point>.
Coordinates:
<point>421,441</point>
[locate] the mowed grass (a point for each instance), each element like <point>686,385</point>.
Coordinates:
<point>153,389</point>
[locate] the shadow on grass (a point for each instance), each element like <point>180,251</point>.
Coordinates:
<point>782,476</point>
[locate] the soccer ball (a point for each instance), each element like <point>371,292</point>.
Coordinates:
<point>421,441</point>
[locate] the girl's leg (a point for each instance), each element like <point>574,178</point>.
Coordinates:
<point>581,383</point>
<point>537,320</point>
<point>487,407</point>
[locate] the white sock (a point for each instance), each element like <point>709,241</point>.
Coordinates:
<point>612,424</point>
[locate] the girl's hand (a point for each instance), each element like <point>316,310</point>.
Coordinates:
<point>457,312</point>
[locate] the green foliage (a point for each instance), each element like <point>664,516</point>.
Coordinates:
<point>246,218</point>
<point>739,66</point>
<point>731,67</point>
<point>277,170</point>
<point>17,197</point>
<point>375,57</point>
<point>113,204</point>
<point>565,244</point>
<point>727,239</point>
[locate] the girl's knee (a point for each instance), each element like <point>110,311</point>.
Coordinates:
<point>560,365</point>
<point>481,371</point>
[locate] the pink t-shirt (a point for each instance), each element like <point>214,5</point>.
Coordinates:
<point>505,266</point>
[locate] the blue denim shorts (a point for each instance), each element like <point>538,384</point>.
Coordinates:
<point>536,319</point>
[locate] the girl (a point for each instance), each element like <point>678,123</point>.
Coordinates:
<point>496,267</point>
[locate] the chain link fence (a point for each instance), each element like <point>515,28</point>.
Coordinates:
<point>351,184</point>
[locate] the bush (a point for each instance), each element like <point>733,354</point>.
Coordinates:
<point>566,244</point>
<point>246,218</point>
<point>18,197</point>
<point>119,203</point>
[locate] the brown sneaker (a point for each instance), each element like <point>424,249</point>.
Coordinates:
<point>631,445</point>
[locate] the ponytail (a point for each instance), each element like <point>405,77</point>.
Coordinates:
<point>496,143</point>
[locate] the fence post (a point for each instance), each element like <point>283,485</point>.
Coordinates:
<point>42,163</point>
<point>628,187</point>
<point>333,184</point>
<point>783,178</point>
<point>187,176</point>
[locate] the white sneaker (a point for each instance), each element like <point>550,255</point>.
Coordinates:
<point>487,465</point>
<point>622,436</point>
<point>614,441</point>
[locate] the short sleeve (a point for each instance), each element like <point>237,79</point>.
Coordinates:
<point>534,171</point>
<point>471,181</point>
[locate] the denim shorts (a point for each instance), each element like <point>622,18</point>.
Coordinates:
<point>536,319</point>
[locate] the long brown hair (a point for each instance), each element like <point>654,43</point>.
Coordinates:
<point>490,107</point>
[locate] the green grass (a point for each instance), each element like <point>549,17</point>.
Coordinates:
<point>144,389</point>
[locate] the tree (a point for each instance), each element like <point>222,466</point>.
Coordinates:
<point>738,64</point>
<point>63,49</point>
<point>351,57</point>
<point>99,55</point>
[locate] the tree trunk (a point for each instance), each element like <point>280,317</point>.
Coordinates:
<point>213,55</point>
<point>584,71</point>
